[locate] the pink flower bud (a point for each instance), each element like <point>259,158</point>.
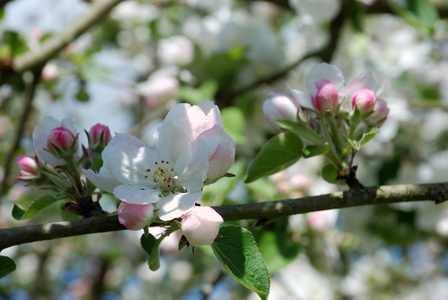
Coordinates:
<point>201,225</point>
<point>364,100</point>
<point>99,134</point>
<point>280,107</point>
<point>60,137</point>
<point>380,112</point>
<point>28,167</point>
<point>135,216</point>
<point>324,96</point>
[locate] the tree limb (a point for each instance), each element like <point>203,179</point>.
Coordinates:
<point>262,211</point>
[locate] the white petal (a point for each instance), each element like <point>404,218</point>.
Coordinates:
<point>221,151</point>
<point>195,173</point>
<point>302,99</point>
<point>128,163</point>
<point>40,135</point>
<point>103,180</point>
<point>127,139</point>
<point>172,141</point>
<point>212,112</point>
<point>176,205</point>
<point>136,195</point>
<point>364,80</point>
<point>325,71</point>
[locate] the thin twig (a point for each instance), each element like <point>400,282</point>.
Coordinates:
<point>27,104</point>
<point>53,45</point>
<point>259,211</point>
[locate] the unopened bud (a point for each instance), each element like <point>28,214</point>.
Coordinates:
<point>324,96</point>
<point>99,134</point>
<point>364,100</point>
<point>135,216</point>
<point>60,137</point>
<point>28,166</point>
<point>201,225</point>
<point>280,107</point>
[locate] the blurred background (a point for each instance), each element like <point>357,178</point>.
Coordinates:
<point>143,57</point>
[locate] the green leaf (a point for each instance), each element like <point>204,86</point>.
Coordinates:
<point>367,136</point>
<point>55,178</point>
<point>82,95</point>
<point>223,67</point>
<point>418,13</point>
<point>37,205</point>
<point>277,246</point>
<point>278,153</point>
<point>301,130</point>
<point>313,150</point>
<point>17,212</point>
<point>234,123</point>
<point>92,70</point>
<point>330,174</point>
<point>15,41</point>
<point>238,253</point>
<point>151,245</point>
<point>7,266</point>
<point>207,90</point>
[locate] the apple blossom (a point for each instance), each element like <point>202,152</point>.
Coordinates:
<point>280,107</point>
<point>28,166</point>
<point>135,216</point>
<point>45,134</point>
<point>189,145</point>
<point>201,225</point>
<point>364,100</point>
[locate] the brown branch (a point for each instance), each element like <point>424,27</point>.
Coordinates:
<point>53,45</point>
<point>27,104</point>
<point>262,211</point>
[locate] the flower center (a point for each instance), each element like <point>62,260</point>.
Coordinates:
<point>163,175</point>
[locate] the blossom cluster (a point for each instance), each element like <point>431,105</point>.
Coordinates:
<point>163,180</point>
<point>334,118</point>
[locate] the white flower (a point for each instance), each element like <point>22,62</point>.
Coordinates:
<point>190,144</point>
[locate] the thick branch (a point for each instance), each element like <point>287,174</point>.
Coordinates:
<point>261,211</point>
<point>53,45</point>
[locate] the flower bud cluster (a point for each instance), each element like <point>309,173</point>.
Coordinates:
<point>58,162</point>
<point>323,119</point>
